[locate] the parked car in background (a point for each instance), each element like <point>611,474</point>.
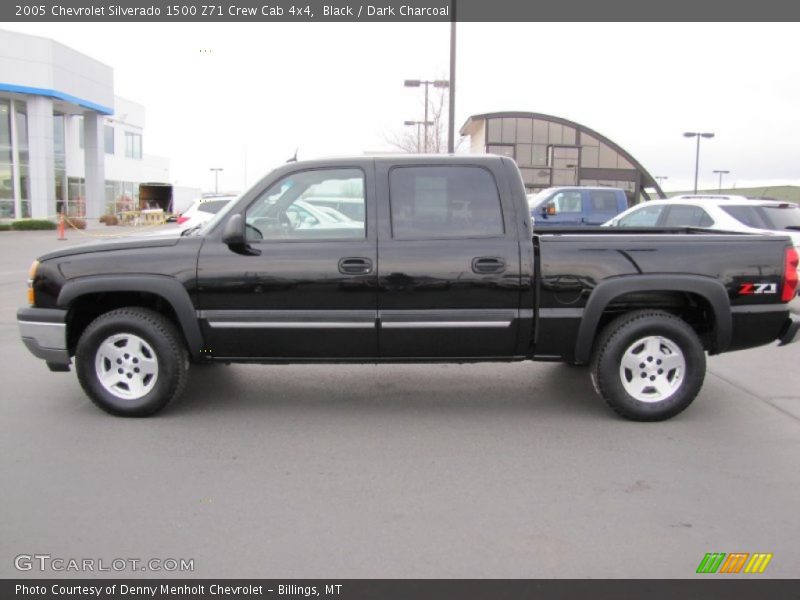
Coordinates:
<point>352,208</point>
<point>576,206</point>
<point>202,209</point>
<point>726,213</point>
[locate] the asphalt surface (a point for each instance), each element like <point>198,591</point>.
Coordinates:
<point>487,470</point>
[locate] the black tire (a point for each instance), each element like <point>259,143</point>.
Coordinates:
<point>619,342</point>
<point>161,344</point>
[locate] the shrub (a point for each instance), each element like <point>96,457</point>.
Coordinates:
<point>109,219</point>
<point>32,225</point>
<point>77,223</point>
<point>5,226</point>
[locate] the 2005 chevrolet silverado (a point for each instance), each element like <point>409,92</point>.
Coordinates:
<point>406,259</point>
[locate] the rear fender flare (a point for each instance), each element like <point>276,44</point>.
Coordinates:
<point>606,291</point>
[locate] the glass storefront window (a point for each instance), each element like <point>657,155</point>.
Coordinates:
<point>5,132</point>
<point>493,131</point>
<point>536,177</point>
<point>24,182</point>
<point>539,131</point>
<point>623,163</point>
<point>524,155</point>
<point>539,158</point>
<point>555,134</point>
<point>509,135</point>
<point>608,158</point>
<point>524,130</point>
<point>568,136</point>
<point>133,145</point>
<point>590,157</point>
<point>6,182</point>
<point>501,150</point>
<point>564,177</point>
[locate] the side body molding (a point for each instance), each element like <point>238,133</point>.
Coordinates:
<point>164,286</point>
<point>710,289</point>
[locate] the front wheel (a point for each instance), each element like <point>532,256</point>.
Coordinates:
<point>131,362</point>
<point>648,365</point>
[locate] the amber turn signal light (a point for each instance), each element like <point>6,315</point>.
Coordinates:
<point>31,275</point>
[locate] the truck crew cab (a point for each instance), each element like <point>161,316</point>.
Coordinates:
<point>576,206</point>
<point>440,265</point>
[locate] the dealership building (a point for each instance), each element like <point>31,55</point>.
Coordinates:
<point>66,141</point>
<point>552,151</point>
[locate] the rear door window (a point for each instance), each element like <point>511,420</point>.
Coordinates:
<point>434,202</point>
<point>603,201</point>
<point>684,215</point>
<point>647,216</point>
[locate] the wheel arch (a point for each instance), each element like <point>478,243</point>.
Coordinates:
<point>607,291</point>
<point>165,288</point>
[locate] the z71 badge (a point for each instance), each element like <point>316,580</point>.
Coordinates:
<point>758,288</point>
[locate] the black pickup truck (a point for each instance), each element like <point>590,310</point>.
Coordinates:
<point>398,259</point>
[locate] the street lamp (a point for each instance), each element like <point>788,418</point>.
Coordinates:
<point>216,178</point>
<point>698,135</point>
<point>438,83</point>
<point>721,173</point>
<point>451,108</point>
<point>417,123</point>
<point>660,179</point>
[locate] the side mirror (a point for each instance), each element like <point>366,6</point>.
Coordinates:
<point>234,236</point>
<point>233,233</point>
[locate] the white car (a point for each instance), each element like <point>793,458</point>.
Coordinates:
<point>202,210</point>
<point>726,213</point>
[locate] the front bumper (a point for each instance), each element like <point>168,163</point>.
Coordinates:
<point>44,333</point>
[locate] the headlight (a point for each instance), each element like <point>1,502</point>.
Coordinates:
<point>31,275</point>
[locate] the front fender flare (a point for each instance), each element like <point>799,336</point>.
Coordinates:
<point>163,286</point>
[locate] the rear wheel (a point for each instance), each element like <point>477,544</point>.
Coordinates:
<point>131,362</point>
<point>648,365</point>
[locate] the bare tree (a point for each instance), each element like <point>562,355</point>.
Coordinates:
<point>412,138</point>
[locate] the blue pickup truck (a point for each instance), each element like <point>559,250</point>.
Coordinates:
<point>576,206</point>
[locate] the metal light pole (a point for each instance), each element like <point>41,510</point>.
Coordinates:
<point>438,83</point>
<point>721,173</point>
<point>216,178</point>
<point>660,179</point>
<point>451,107</point>
<point>698,135</point>
<point>418,124</point>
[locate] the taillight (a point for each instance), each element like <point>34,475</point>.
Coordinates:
<point>182,219</point>
<point>789,275</point>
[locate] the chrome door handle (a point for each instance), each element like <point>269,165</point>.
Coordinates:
<point>488,264</point>
<point>355,266</point>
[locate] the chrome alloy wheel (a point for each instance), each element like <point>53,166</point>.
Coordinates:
<point>126,366</point>
<point>652,369</point>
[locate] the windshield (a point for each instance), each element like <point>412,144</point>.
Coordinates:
<point>773,217</point>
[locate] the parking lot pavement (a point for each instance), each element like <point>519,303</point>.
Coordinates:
<point>490,470</point>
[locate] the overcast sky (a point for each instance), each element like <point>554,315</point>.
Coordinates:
<point>261,89</point>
